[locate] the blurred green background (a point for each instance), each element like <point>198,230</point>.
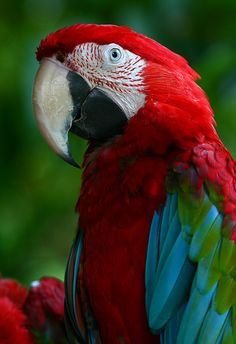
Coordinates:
<point>38,190</point>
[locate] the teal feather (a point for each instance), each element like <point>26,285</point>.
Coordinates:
<point>75,327</point>
<point>165,221</point>
<point>207,234</point>
<point>152,251</point>
<point>190,281</point>
<point>192,211</point>
<point>76,271</point>
<point>223,330</point>
<point>172,327</point>
<point>91,338</point>
<point>227,334</point>
<point>69,279</point>
<point>195,312</point>
<point>178,294</point>
<point>154,242</point>
<point>151,262</point>
<point>213,326</point>
<point>175,298</point>
<point>173,205</point>
<point>165,282</point>
<point>208,273</point>
<point>173,232</point>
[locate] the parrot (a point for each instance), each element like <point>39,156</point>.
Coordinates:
<point>34,315</point>
<point>154,257</point>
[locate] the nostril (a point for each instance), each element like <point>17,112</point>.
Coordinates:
<point>61,56</point>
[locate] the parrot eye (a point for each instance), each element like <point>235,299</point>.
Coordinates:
<point>115,54</point>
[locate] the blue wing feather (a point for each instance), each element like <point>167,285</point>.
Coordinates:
<point>165,222</point>
<point>183,271</point>
<point>174,230</point>
<point>169,279</point>
<point>74,324</point>
<point>210,227</point>
<point>172,327</point>
<point>193,316</point>
<point>213,326</point>
<point>151,263</point>
<point>227,334</point>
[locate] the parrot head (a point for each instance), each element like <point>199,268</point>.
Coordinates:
<point>93,80</point>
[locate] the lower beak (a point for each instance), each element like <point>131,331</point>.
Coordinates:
<point>63,101</point>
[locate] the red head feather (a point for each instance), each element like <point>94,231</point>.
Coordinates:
<point>13,324</point>
<point>68,38</point>
<point>179,106</point>
<point>13,291</point>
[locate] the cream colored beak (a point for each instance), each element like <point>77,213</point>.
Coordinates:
<point>53,106</point>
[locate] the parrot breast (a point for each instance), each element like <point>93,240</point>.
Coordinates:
<point>118,198</point>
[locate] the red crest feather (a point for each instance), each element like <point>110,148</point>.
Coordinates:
<point>68,38</point>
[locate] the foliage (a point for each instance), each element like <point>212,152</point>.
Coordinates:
<point>39,191</point>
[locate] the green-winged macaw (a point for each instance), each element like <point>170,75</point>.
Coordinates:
<point>154,259</point>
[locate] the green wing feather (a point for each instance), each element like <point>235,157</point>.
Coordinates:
<point>195,268</point>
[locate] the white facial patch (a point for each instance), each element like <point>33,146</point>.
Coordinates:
<point>114,70</point>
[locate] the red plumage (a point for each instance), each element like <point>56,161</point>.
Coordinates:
<point>26,316</point>
<point>122,186</point>
<point>44,308</point>
<point>13,324</point>
<point>45,301</point>
<point>12,290</point>
<point>124,180</point>
<point>13,321</point>
<point>66,39</point>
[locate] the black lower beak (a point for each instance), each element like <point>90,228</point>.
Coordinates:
<point>95,115</point>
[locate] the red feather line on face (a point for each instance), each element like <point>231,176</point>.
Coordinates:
<point>65,40</point>
<point>87,59</point>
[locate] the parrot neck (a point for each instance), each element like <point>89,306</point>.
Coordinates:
<point>158,129</point>
<point>138,161</point>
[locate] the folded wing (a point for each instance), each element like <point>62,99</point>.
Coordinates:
<point>191,267</point>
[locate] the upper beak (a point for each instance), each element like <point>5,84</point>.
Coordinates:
<point>64,101</point>
<point>54,107</point>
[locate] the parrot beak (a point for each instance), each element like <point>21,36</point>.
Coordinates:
<point>63,101</point>
<point>53,106</point>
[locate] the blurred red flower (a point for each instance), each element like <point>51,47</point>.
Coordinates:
<point>13,321</point>
<point>28,317</point>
